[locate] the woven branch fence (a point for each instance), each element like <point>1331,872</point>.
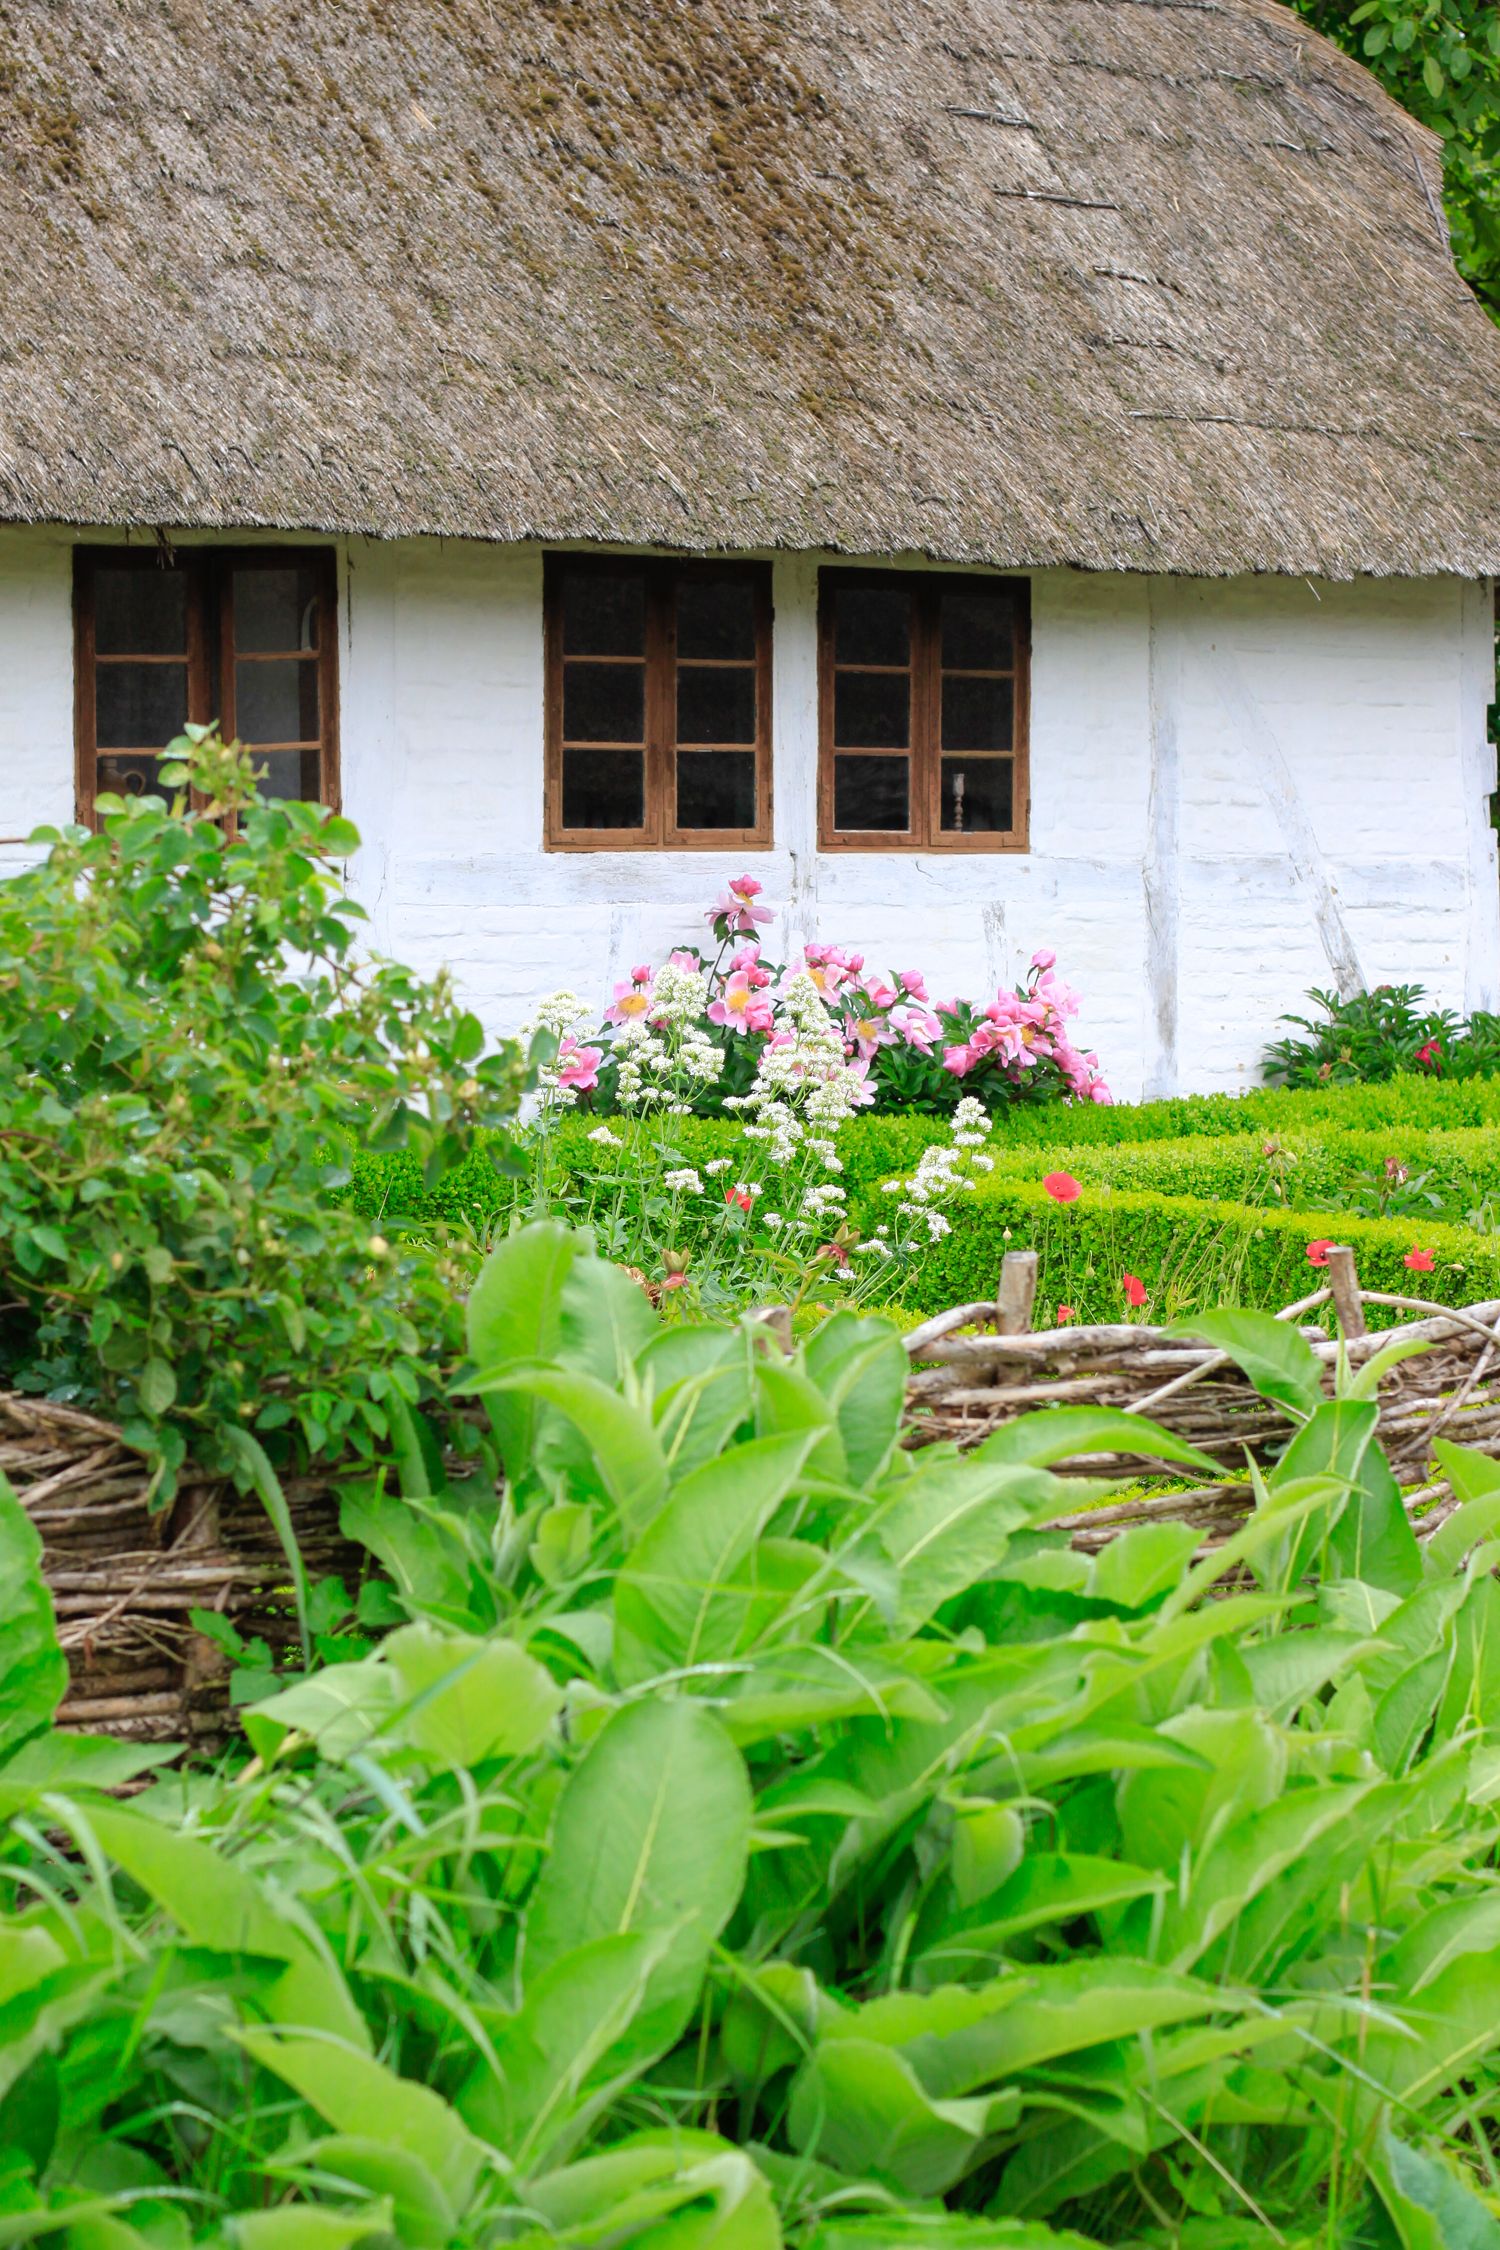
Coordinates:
<point>966,1385</point>
<point>124,1580</point>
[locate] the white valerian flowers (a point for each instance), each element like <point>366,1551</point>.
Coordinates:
<point>719,1164</point>
<point>945,1170</point>
<point>558,1013</point>
<point>602,1137</point>
<point>661,1056</point>
<point>684,1181</point>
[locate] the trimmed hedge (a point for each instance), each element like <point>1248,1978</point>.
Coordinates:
<point>1314,1168</point>
<point>1189,1253</point>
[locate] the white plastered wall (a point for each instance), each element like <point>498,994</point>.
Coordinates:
<point>1240,788</point>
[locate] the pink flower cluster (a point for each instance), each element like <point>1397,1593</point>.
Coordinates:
<point>1022,1030</point>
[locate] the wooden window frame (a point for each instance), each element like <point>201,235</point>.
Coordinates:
<point>657,833</point>
<point>925,753</point>
<point>208,575</point>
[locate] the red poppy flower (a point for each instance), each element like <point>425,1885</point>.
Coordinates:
<point>1317,1252</point>
<point>1062,1187</point>
<point>1420,1261</point>
<point>1064,1312</point>
<point>1135,1290</point>
<point>741,1196</point>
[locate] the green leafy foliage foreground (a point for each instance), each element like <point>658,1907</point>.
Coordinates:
<point>757,1832</point>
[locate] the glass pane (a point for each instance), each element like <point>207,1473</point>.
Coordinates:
<point>717,706</point>
<point>604,703</point>
<point>275,609</point>
<point>129,777</point>
<point>289,773</point>
<point>872,710</point>
<point>140,613</point>
<point>604,789</point>
<point>977,633</point>
<point>276,700</point>
<point>872,625</point>
<point>603,616</point>
<point>976,713</point>
<point>716,788</point>
<point>715,619</point>
<point>977,795</point>
<point>139,706</point>
<point>870,793</point>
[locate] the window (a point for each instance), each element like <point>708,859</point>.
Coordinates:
<point>244,637</point>
<point>923,708</point>
<point>658,705</point>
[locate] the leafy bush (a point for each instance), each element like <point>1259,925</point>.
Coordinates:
<point>1378,1034</point>
<point>757,1831</point>
<point>184,1027</point>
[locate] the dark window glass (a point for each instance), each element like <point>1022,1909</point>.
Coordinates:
<point>129,777</point>
<point>603,616</point>
<point>140,613</point>
<point>604,703</point>
<point>139,706</point>
<point>870,793</point>
<point>275,610</point>
<point>872,710</point>
<point>977,795</point>
<point>976,713</point>
<point>716,619</point>
<point>276,700</point>
<point>604,789</point>
<point>716,788</point>
<point>872,625</point>
<point>289,773</point>
<point>715,706</point>
<point>977,633</point>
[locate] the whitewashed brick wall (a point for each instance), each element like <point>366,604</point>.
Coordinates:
<point>1238,788</point>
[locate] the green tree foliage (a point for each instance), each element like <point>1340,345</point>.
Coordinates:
<point>1441,60</point>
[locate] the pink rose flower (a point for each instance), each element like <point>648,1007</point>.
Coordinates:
<point>685,957</point>
<point>577,1066</point>
<point>1043,960</point>
<point>960,1060</point>
<point>911,984</point>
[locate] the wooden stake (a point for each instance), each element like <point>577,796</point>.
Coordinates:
<point>1345,1280</point>
<point>1017,1292</point>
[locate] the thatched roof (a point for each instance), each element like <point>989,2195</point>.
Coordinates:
<point>1144,284</point>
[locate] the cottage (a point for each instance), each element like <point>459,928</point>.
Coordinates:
<point>1021,472</point>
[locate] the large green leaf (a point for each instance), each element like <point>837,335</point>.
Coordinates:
<point>32,1666</point>
<point>466,1700</point>
<point>859,2106</point>
<point>514,1314</point>
<point>861,1368</point>
<point>786,1400</point>
<point>423,2218</point>
<point>312,2226</point>
<point>1475,1479</point>
<point>674,2189</point>
<point>1142,1563</point>
<point>341,1709</point>
<point>1279,1362</point>
<point>1373,1540</point>
<point>675,1598</point>
<point>359,2095</point>
<point>810,1687</point>
<point>1061,1433</point>
<point>619,1436</point>
<point>950,1523</point>
<point>606,1321</point>
<point>1246,1859</point>
<point>425,1560</point>
<point>651,1834</point>
<point>700,1378</point>
<point>1430,2207</point>
<point>940,2230</point>
<point>218,1905</point>
<point>1047,1887</point>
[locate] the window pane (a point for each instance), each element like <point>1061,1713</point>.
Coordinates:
<point>977,794</point>
<point>977,633</point>
<point>290,773</point>
<point>715,619</point>
<point>870,793</point>
<point>276,701</point>
<point>603,615</point>
<point>275,609</point>
<point>716,789</point>
<point>872,710</point>
<point>976,713</point>
<point>139,706</point>
<point>604,703</point>
<point>872,625</point>
<point>129,777</point>
<point>140,613</point>
<point>717,706</point>
<point>604,789</point>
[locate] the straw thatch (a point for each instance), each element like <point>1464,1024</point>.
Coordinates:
<point>1134,286</point>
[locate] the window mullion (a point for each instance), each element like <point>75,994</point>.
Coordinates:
<point>926,714</point>
<point>659,731</point>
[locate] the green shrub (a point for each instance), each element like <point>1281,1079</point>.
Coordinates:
<point>1375,1035</point>
<point>183,1028</point>
<point>1189,1253</point>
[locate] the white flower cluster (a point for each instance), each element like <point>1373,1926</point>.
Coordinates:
<point>602,1137</point>
<point>558,1013</point>
<point>683,1182</point>
<point>945,1171</point>
<point>656,1056</point>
